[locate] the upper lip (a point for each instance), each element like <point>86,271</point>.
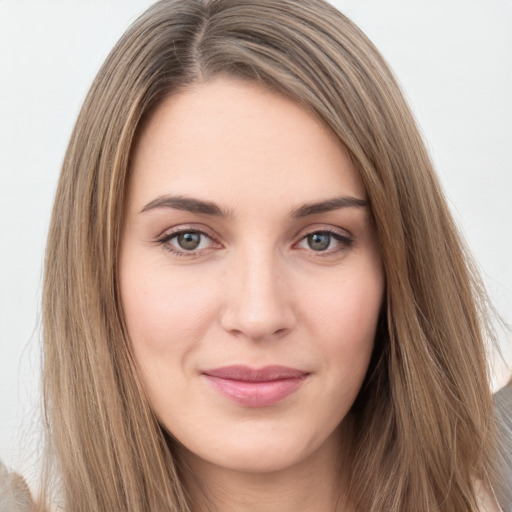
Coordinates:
<point>248,374</point>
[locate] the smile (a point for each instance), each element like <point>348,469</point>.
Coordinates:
<point>255,387</point>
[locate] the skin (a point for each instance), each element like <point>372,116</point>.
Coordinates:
<point>254,291</point>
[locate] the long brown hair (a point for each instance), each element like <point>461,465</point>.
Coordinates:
<point>423,427</point>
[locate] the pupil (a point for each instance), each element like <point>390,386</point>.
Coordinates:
<point>189,241</point>
<point>319,241</point>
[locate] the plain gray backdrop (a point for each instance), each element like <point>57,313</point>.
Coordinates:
<point>452,57</point>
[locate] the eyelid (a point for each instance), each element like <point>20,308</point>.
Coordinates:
<point>324,228</point>
<point>180,228</point>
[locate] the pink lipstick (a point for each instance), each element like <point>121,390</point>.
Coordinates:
<point>252,387</point>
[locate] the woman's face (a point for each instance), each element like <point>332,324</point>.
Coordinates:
<point>250,276</point>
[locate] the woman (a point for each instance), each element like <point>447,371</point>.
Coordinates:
<point>253,281</point>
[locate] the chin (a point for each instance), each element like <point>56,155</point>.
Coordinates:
<point>268,452</point>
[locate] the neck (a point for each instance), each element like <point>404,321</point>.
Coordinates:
<point>312,484</point>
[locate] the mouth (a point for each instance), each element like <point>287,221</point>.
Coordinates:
<point>255,387</point>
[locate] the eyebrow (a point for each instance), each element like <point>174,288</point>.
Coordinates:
<point>335,203</point>
<point>188,204</point>
<point>192,205</point>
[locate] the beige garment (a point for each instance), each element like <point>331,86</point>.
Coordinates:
<point>14,492</point>
<point>503,402</point>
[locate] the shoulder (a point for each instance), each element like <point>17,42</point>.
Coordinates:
<point>486,500</point>
<point>503,404</point>
<point>14,492</point>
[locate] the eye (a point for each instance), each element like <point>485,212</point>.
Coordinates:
<point>325,241</point>
<point>319,241</point>
<point>186,242</point>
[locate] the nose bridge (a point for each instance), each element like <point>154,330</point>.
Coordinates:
<point>258,305</point>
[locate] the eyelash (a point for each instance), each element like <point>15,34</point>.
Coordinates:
<point>345,242</point>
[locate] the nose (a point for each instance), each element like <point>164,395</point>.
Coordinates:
<point>258,306</point>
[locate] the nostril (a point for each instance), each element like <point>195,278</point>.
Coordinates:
<point>269,328</point>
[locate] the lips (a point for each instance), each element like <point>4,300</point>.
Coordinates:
<point>255,387</point>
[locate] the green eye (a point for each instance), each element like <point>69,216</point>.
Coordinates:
<point>319,241</point>
<point>189,241</point>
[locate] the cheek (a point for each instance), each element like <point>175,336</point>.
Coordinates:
<point>166,311</point>
<point>344,319</point>
<point>349,305</point>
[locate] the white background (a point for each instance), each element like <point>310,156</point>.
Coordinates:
<point>452,57</point>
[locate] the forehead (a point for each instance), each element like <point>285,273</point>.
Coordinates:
<point>236,140</point>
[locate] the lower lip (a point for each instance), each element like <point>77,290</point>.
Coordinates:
<point>256,394</point>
